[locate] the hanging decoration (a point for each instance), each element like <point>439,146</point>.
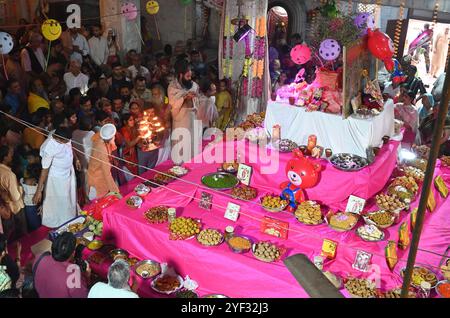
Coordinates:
<point>301,54</point>
<point>398,28</point>
<point>6,43</point>
<point>398,76</point>
<point>329,49</point>
<point>382,47</point>
<point>6,46</point>
<point>364,21</point>
<point>51,29</point>
<point>152,7</point>
<point>129,11</point>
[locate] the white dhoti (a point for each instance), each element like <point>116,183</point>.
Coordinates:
<point>60,202</point>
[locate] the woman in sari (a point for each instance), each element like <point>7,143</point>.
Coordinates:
<point>130,140</point>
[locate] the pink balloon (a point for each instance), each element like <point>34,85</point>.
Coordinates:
<point>301,54</point>
<point>129,10</point>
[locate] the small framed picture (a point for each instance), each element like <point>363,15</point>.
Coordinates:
<point>244,174</point>
<point>206,201</point>
<point>362,261</point>
<point>355,205</point>
<point>232,212</point>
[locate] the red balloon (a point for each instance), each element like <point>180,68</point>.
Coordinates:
<point>390,65</point>
<point>380,45</point>
<point>301,54</point>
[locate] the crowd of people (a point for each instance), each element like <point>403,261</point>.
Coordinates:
<point>85,102</point>
<point>73,122</point>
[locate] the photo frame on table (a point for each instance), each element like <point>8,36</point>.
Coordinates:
<point>245,174</point>
<point>362,261</point>
<point>355,204</point>
<point>232,212</point>
<point>206,201</point>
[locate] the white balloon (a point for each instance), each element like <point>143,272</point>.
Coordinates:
<point>6,43</point>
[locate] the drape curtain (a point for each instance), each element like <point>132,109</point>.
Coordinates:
<point>246,63</point>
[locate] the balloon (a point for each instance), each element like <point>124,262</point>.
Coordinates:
<point>152,7</point>
<point>421,39</point>
<point>129,10</point>
<point>365,20</point>
<point>389,64</point>
<point>300,54</point>
<point>381,46</point>
<point>329,49</point>
<point>51,29</point>
<point>186,2</point>
<point>6,43</point>
<point>398,76</point>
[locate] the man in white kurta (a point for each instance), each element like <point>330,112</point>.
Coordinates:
<point>186,129</point>
<point>60,204</point>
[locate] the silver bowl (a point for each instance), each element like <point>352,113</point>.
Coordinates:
<point>145,274</point>
<point>238,250</point>
<point>118,252</point>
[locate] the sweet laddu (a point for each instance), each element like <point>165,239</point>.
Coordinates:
<point>302,174</point>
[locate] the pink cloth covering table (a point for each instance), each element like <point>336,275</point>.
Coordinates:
<point>219,270</point>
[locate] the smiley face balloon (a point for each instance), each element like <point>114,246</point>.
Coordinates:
<point>329,49</point>
<point>129,10</point>
<point>152,7</point>
<point>6,43</point>
<point>300,54</point>
<point>51,29</point>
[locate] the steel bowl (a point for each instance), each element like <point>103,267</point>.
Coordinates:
<point>369,240</point>
<point>145,274</point>
<point>221,241</point>
<point>263,259</point>
<point>328,217</point>
<point>348,162</point>
<point>236,181</point>
<point>370,222</point>
<point>238,250</point>
<point>152,285</point>
<point>119,252</point>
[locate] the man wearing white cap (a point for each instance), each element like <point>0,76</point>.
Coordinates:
<point>100,179</point>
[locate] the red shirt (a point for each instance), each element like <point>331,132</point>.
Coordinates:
<point>59,279</point>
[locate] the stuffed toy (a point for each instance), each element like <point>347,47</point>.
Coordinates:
<point>302,174</point>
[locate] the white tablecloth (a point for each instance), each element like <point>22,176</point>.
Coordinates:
<point>351,135</point>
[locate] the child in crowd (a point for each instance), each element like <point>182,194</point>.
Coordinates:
<point>29,184</point>
<point>224,103</point>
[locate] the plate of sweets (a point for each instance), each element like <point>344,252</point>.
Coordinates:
<point>381,219</point>
<point>210,237</point>
<point>184,228</point>
<point>179,171</point>
<point>245,193</point>
<point>230,167</point>
<point>266,252</point>
<point>370,233</point>
<point>167,284</point>
<point>134,202</point>
<point>342,221</point>
<point>273,203</point>
<point>360,288</point>
<point>240,244</point>
<point>157,214</point>
<point>309,213</point>
<point>421,274</point>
